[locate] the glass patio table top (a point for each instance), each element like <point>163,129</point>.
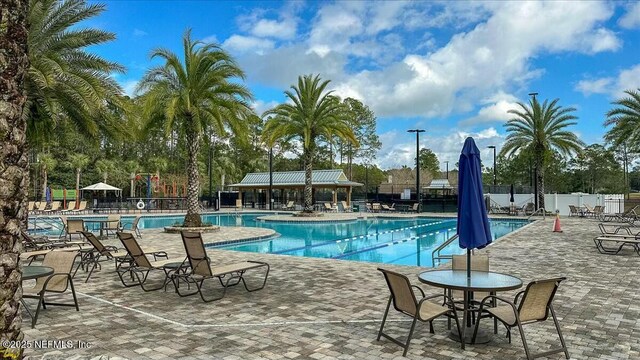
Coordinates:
<point>486,281</point>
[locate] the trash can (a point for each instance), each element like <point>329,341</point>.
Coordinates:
<point>356,208</point>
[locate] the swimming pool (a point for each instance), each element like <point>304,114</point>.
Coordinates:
<point>402,241</point>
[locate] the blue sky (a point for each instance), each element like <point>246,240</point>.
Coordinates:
<point>451,68</point>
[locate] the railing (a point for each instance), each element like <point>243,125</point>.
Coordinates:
<point>435,255</point>
<point>544,213</point>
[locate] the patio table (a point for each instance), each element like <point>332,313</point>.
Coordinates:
<point>483,281</point>
<point>102,225</point>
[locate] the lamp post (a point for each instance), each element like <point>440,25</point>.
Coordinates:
<point>494,166</point>
<point>417,131</point>
<point>271,178</point>
<point>366,183</point>
<point>535,172</point>
<point>447,163</point>
<point>210,173</point>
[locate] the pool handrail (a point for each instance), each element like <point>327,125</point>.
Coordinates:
<point>435,255</point>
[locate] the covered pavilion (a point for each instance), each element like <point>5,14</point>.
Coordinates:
<point>294,180</point>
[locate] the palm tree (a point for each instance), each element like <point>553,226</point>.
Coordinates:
<point>312,114</point>
<point>540,129</point>
<point>78,162</point>
<point>65,82</point>
<point>48,164</point>
<point>105,167</point>
<point>196,96</point>
<point>625,120</point>
<point>14,177</point>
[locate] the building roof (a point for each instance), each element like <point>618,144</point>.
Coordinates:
<point>327,178</point>
<point>101,186</point>
<point>439,184</point>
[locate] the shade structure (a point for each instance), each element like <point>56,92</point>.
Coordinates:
<point>101,186</point>
<point>473,224</point>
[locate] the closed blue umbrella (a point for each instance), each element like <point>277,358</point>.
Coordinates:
<point>473,223</point>
<point>47,195</point>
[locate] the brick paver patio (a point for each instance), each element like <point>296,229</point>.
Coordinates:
<point>330,309</point>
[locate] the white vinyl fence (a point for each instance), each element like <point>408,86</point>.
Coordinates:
<point>613,203</point>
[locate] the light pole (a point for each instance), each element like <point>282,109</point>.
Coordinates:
<point>210,172</point>
<point>447,162</point>
<point>417,131</point>
<point>535,172</point>
<point>494,167</point>
<point>271,178</point>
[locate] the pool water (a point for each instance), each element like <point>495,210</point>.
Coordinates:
<point>382,240</point>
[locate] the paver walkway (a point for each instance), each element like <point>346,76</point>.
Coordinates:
<point>329,309</point>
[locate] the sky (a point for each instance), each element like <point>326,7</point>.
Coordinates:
<point>452,68</point>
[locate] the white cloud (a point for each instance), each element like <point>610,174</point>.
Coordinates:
<point>139,33</point>
<point>248,44</point>
<point>395,153</point>
<point>597,86</point>
<point>211,39</point>
<point>495,112</point>
<point>285,29</point>
<point>631,19</point>
<point>627,79</point>
<point>129,87</point>
<point>260,106</point>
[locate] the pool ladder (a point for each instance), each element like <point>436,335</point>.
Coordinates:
<point>435,255</point>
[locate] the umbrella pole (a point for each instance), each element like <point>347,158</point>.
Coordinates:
<point>468,263</point>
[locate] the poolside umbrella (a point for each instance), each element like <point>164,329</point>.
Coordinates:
<point>511,199</point>
<point>47,194</point>
<point>473,223</point>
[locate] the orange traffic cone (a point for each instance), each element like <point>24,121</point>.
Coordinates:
<point>556,224</point>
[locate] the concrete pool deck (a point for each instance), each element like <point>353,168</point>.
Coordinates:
<point>330,309</point>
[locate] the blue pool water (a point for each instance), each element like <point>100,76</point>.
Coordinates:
<point>389,241</point>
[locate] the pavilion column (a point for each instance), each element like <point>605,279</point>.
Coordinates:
<point>335,195</point>
<point>240,195</point>
<point>349,196</point>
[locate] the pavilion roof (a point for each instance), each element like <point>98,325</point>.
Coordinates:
<point>327,178</point>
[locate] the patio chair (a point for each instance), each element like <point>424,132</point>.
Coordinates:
<point>71,206</point>
<point>573,211</point>
<point>589,211</point>
<point>113,224</point>
<point>238,204</point>
<point>598,211</point>
<point>375,207</point>
<point>201,269</point>
<point>404,300</point>
<point>529,208</point>
<point>74,227</point>
<point>619,242</point>
<point>368,206</point>
<point>617,229</point>
<point>100,254</point>
<point>31,242</point>
<point>31,206</point>
<point>133,226</point>
<point>529,306</point>
<point>58,282</point>
<point>345,207</point>
<point>141,267</point>
<point>415,207</point>
<point>290,206</point>
<point>478,263</point>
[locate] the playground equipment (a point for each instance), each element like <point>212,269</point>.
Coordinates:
<point>148,186</point>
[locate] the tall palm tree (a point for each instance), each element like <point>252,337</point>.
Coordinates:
<point>195,96</point>
<point>540,129</point>
<point>78,162</point>
<point>105,167</point>
<point>625,119</point>
<point>65,82</point>
<point>48,164</point>
<point>14,177</point>
<point>312,114</point>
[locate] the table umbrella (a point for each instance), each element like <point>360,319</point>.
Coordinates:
<point>47,194</point>
<point>511,199</point>
<point>473,223</point>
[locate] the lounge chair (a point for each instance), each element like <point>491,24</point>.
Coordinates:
<point>238,204</point>
<point>102,253</point>
<point>81,208</point>
<point>529,208</point>
<point>40,207</point>
<point>589,211</point>
<point>386,207</point>
<point>534,306</point>
<point>617,229</point>
<point>573,211</point>
<point>375,207</point>
<point>345,207</point>
<point>619,242</point>
<point>598,211</point>
<point>133,227</point>
<point>368,206</point>
<point>141,267</point>
<point>31,242</point>
<point>31,205</point>
<point>71,206</point>
<point>404,300</point>
<point>55,206</point>
<point>290,206</point>
<point>201,269</point>
<point>415,207</point>
<point>58,282</point>
<point>330,208</point>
